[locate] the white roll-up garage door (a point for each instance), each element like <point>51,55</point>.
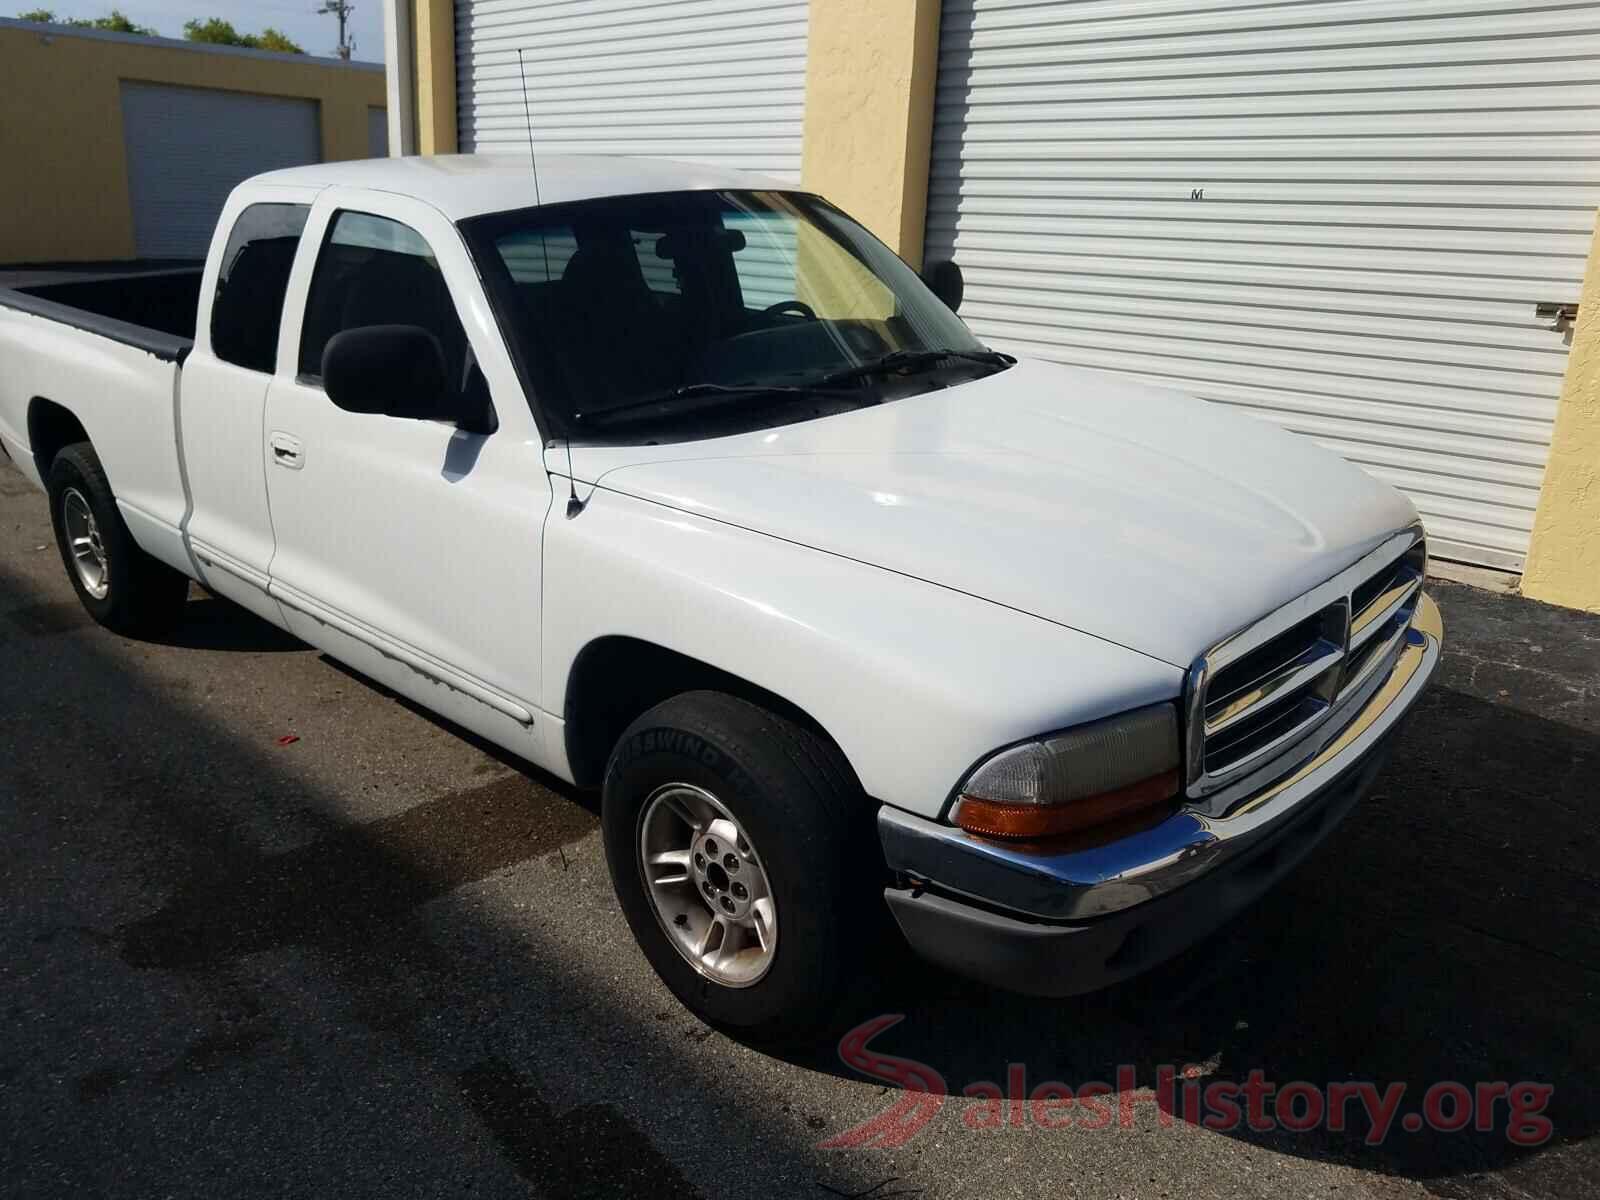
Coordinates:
<point>1335,214</point>
<point>718,81</point>
<point>188,147</point>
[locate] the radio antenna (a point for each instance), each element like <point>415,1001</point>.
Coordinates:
<point>527,116</point>
<point>574,505</point>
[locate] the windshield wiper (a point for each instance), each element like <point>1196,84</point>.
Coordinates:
<point>705,397</point>
<point>897,361</point>
<point>711,396</point>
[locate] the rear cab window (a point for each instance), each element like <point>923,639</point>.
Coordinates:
<point>247,309</point>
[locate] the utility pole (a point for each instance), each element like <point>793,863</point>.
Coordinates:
<point>341,9</point>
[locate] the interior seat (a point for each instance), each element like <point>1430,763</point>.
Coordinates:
<point>624,333</point>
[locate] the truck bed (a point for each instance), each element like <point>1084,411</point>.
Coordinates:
<point>102,353</point>
<point>152,310</point>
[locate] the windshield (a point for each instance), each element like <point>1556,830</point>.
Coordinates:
<point>672,312</point>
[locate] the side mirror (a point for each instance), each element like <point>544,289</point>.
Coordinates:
<point>944,280</point>
<point>391,370</point>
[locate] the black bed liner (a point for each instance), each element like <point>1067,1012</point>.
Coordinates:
<point>165,303</point>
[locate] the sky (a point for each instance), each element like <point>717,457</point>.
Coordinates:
<point>297,18</point>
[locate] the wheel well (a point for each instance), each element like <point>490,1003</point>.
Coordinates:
<point>50,428</point>
<point>616,679</point>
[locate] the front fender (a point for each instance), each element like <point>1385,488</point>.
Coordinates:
<point>914,681</point>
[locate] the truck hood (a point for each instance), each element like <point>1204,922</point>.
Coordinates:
<point>1145,517</point>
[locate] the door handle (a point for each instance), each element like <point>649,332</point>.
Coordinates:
<point>287,451</point>
<point>1564,315</point>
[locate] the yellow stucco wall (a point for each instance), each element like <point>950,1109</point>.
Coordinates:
<point>433,30</point>
<point>871,67</point>
<point>63,170</point>
<point>1563,564</point>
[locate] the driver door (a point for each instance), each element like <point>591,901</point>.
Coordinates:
<point>408,547</point>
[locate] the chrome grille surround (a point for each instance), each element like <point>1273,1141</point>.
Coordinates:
<point>1255,702</point>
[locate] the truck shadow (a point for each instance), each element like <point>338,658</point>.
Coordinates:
<point>1447,932</point>
<point>212,623</point>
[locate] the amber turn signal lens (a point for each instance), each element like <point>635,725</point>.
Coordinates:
<point>989,818</point>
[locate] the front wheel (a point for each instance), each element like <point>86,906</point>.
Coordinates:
<point>742,854</point>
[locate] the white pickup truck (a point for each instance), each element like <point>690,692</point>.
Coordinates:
<point>681,485</point>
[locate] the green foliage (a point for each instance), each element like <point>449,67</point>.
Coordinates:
<point>116,22</point>
<point>218,32</point>
<point>275,39</point>
<point>214,30</point>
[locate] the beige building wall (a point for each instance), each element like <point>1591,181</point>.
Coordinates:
<point>433,24</point>
<point>871,68</point>
<point>63,169</point>
<point>1563,564</point>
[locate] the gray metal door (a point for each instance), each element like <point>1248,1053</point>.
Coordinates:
<point>377,132</point>
<point>716,81</point>
<point>1338,215</point>
<point>188,147</point>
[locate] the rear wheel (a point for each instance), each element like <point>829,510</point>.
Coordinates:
<point>120,586</point>
<point>743,856</point>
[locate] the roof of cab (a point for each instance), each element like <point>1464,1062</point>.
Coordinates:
<point>467,185</point>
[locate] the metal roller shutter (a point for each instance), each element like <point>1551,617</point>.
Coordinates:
<point>188,147</point>
<point>716,81</point>
<point>1334,214</point>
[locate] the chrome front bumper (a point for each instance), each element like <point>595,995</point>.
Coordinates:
<point>959,889</point>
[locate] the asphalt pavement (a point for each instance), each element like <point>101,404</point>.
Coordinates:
<point>267,930</point>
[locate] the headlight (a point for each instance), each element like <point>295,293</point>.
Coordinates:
<point>1071,781</point>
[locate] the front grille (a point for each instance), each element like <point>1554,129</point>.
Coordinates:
<point>1255,697</point>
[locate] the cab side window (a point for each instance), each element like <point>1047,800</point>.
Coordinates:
<point>374,271</point>
<point>248,306</point>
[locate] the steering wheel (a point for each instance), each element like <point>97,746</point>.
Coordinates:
<point>794,306</point>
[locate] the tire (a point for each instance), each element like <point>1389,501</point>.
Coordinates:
<point>812,845</point>
<point>120,586</point>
